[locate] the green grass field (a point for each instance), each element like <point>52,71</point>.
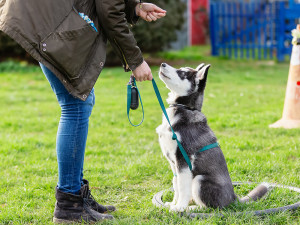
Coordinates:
<point>124,164</point>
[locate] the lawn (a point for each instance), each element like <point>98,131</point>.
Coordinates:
<point>124,164</point>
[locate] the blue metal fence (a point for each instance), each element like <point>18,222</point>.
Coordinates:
<point>255,29</point>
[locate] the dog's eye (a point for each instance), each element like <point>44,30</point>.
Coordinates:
<point>180,73</point>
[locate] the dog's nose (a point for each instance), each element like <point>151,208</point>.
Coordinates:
<point>163,65</point>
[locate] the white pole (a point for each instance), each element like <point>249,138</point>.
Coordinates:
<point>189,22</point>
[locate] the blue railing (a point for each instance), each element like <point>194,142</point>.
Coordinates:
<point>255,29</point>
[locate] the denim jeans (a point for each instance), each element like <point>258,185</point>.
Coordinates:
<point>71,135</point>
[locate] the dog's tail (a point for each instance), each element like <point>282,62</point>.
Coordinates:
<point>257,193</point>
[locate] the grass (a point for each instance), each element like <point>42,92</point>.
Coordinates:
<point>124,164</point>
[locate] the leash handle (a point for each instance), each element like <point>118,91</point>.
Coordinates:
<point>129,102</point>
<point>174,137</point>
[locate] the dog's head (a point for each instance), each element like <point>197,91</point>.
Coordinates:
<point>184,81</point>
<point>186,84</point>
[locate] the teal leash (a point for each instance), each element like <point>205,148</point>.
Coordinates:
<point>161,103</point>
<point>207,147</point>
<point>174,137</point>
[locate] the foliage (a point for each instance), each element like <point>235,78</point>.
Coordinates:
<point>7,45</point>
<point>156,36</point>
<point>10,49</point>
<point>23,66</point>
<point>125,165</point>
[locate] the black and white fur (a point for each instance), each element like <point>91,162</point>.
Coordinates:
<point>209,183</point>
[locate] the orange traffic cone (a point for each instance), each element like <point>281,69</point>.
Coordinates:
<point>291,110</point>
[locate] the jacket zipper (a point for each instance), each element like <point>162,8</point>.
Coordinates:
<point>126,64</point>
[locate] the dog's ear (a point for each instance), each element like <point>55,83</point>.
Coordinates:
<point>200,66</point>
<point>202,71</point>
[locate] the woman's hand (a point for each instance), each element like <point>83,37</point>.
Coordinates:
<point>149,11</point>
<point>142,72</point>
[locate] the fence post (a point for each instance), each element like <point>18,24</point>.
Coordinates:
<point>280,31</point>
<point>212,26</point>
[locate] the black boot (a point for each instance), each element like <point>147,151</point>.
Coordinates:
<point>71,208</point>
<point>95,205</point>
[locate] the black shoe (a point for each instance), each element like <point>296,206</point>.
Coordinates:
<point>94,204</point>
<point>70,208</point>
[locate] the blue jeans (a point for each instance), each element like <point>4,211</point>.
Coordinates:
<point>71,135</point>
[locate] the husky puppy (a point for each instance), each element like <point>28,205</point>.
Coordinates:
<point>209,183</point>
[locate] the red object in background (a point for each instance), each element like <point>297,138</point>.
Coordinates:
<point>198,14</point>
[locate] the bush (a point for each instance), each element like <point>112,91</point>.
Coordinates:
<point>156,36</point>
<point>10,49</point>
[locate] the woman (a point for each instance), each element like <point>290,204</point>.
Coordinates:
<point>68,38</point>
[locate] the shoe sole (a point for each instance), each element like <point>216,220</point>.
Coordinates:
<point>57,221</point>
<point>62,221</point>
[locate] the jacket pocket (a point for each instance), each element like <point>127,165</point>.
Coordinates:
<point>68,47</point>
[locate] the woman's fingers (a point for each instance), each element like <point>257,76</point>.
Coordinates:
<point>148,18</point>
<point>152,16</point>
<point>150,76</point>
<point>158,10</point>
<point>160,15</point>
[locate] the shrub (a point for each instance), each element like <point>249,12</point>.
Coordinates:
<point>156,36</point>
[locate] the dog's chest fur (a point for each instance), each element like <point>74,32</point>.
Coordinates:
<point>168,146</point>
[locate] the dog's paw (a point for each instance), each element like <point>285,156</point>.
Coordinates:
<point>177,208</point>
<point>194,208</point>
<point>170,204</point>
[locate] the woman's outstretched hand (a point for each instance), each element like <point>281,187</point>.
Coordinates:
<point>149,11</point>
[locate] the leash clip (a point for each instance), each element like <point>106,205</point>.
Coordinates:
<point>132,81</point>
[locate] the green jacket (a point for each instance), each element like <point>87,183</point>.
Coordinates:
<point>53,33</point>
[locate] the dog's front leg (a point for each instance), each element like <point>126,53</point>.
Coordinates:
<point>184,185</point>
<point>175,187</point>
